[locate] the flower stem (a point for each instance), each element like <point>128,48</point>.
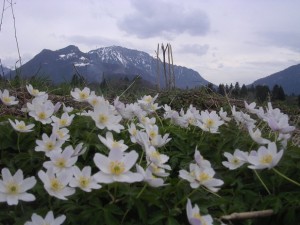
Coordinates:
<point>262,182</point>
<point>18,142</point>
<point>285,177</point>
<point>143,189</point>
<point>186,197</point>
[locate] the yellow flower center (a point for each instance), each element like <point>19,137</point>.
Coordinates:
<point>12,188</point>
<point>60,134</point>
<point>63,122</point>
<point>235,161</point>
<point>116,167</point>
<point>49,146</point>
<point>61,163</point>
<point>134,132</point>
<point>155,154</point>
<point>197,216</point>
<point>210,123</point>
<point>42,115</point>
<point>21,126</point>
<point>55,185</point>
<point>83,95</point>
<point>266,159</point>
<point>103,118</point>
<point>6,99</point>
<point>152,134</point>
<point>148,99</point>
<point>84,182</point>
<point>94,102</point>
<point>192,121</point>
<point>203,177</point>
<point>115,144</point>
<point>35,91</point>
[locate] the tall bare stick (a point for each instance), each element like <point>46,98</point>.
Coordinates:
<point>15,29</point>
<point>158,72</point>
<point>2,13</point>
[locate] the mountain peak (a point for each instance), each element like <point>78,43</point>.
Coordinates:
<point>68,49</point>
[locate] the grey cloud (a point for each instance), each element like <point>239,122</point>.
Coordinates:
<point>194,49</point>
<point>155,18</point>
<point>288,40</point>
<point>91,41</point>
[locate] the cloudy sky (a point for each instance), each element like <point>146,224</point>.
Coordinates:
<point>225,41</point>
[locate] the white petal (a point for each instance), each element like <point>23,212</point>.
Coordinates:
<point>130,159</point>
<point>102,162</point>
<point>27,184</point>
<point>27,197</point>
<point>103,178</point>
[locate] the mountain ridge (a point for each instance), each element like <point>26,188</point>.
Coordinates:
<point>288,79</point>
<point>60,65</point>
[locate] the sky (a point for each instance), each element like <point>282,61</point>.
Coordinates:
<point>226,41</point>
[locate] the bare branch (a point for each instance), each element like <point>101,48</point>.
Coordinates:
<point>248,215</point>
<point>15,29</point>
<point>2,14</point>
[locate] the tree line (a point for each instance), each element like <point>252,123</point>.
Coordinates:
<point>260,92</point>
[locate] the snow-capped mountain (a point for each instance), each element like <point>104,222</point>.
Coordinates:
<point>62,64</point>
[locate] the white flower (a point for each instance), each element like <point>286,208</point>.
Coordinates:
<point>49,219</point>
<point>283,138</point>
<point>115,167</point>
<point>79,150</point>
<point>95,100</point>
<point>56,184</point>
<point>159,171</point>
<point>175,117</point>
<point>7,99</point>
<point>112,144</point>
<point>210,121</point>
<point>256,136</point>
<point>21,126</point>
<point>34,92</point>
<point>81,95</point>
<point>280,124</point>
<point>147,103</point>
<point>153,156</point>
<point>144,120</point>
<point>133,132</point>
<point>13,188</point>
<point>149,178</point>
<point>194,216</point>
<point>191,116</point>
<point>201,176</point>
<point>41,109</point>
<point>67,109</point>
<point>128,111</point>
<point>201,162</point>
<point>64,121</point>
<point>236,160</point>
<point>61,161</point>
<point>223,115</point>
<point>265,157</point>
<point>61,134</point>
<point>105,117</point>
<point>83,179</point>
<point>49,144</point>
<point>251,107</point>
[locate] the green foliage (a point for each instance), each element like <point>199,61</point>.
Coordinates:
<point>140,204</point>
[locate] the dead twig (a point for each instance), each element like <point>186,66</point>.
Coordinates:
<point>248,215</point>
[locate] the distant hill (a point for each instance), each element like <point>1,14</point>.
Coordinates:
<point>288,79</point>
<point>4,70</point>
<point>62,64</point>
